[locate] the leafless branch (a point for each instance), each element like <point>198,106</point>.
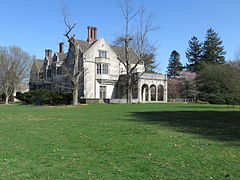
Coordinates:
<point>138,41</point>
<point>14,68</point>
<point>237,55</point>
<point>66,15</point>
<point>74,71</point>
<point>122,62</point>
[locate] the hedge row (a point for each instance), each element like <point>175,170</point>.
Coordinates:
<point>2,97</point>
<point>45,97</point>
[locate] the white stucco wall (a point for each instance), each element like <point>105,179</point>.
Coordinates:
<point>91,57</point>
<point>139,68</point>
<point>93,81</point>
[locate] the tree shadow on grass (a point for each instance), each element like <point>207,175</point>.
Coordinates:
<point>224,126</point>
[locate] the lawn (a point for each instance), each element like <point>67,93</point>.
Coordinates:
<point>104,141</point>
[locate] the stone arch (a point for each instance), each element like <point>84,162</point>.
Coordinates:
<point>160,93</point>
<point>153,91</point>
<point>144,92</point>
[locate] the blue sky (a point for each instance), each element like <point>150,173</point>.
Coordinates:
<point>36,25</point>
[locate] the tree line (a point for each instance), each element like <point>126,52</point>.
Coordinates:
<point>207,76</point>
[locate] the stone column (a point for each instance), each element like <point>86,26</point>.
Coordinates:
<point>156,93</point>
<point>149,93</point>
<point>139,92</point>
<point>144,95</point>
<point>165,89</point>
<point>165,92</point>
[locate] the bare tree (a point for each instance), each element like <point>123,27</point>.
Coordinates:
<point>237,55</point>
<point>14,69</point>
<point>174,89</point>
<point>236,62</point>
<point>134,41</point>
<point>73,69</point>
<point>189,85</point>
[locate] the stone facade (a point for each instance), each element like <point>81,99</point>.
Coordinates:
<point>103,78</point>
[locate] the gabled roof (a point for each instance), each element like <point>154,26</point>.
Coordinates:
<point>120,51</point>
<point>38,63</point>
<point>62,56</point>
<point>84,45</point>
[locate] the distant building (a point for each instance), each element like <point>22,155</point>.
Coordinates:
<point>104,76</point>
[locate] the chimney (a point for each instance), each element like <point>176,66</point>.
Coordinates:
<point>91,34</point>
<point>61,47</point>
<point>48,54</point>
<point>95,33</point>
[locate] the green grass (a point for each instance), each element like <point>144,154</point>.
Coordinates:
<point>136,141</point>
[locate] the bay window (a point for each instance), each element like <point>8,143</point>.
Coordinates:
<point>102,68</point>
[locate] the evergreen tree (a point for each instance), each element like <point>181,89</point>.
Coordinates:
<point>149,62</point>
<point>213,50</point>
<point>174,65</point>
<point>194,54</point>
<point>219,84</point>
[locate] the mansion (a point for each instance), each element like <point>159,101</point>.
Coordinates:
<point>104,73</point>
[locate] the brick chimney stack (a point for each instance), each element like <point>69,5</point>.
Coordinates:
<point>48,57</point>
<point>92,34</point>
<point>61,47</point>
<point>95,33</point>
<point>89,34</point>
<point>48,54</point>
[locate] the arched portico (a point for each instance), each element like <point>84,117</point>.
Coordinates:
<point>153,91</point>
<point>145,92</point>
<point>160,93</point>
<point>152,88</point>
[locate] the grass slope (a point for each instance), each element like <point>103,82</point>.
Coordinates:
<point>136,141</point>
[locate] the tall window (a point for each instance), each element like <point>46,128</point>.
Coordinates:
<point>102,68</point>
<point>102,91</point>
<point>59,70</point>
<point>121,70</point>
<point>99,69</point>
<point>103,54</point>
<point>105,68</point>
<point>48,73</point>
<point>41,75</point>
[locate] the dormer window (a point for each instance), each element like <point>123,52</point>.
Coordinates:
<point>103,54</point>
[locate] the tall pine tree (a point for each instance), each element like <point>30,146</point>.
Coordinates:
<point>174,65</point>
<point>213,50</point>
<point>194,54</point>
<point>149,62</point>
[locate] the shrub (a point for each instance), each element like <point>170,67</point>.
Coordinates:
<point>199,102</point>
<point>219,84</point>
<point>45,97</point>
<point>2,97</point>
